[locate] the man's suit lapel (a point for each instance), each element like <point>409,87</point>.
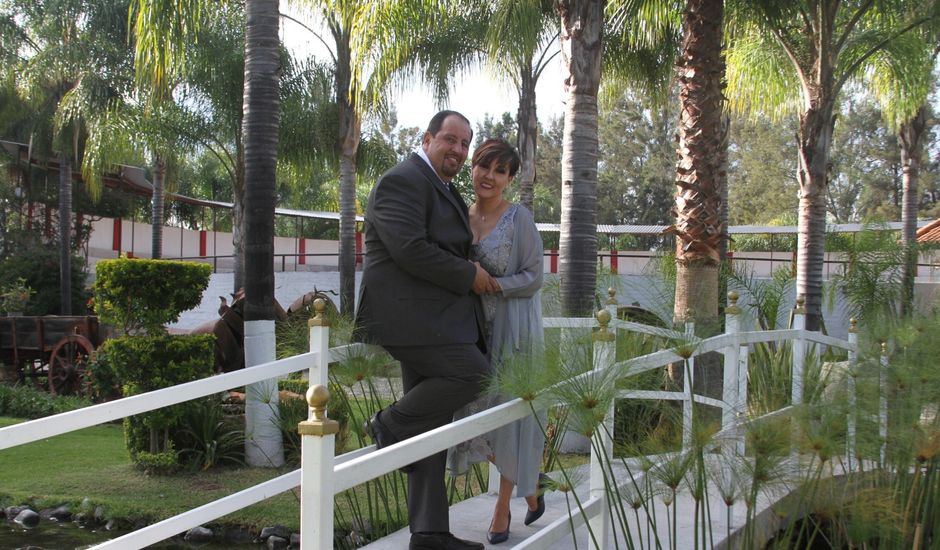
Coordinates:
<point>441,187</point>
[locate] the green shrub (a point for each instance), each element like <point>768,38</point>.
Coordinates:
<point>293,411</point>
<point>27,402</point>
<point>38,267</point>
<point>143,295</point>
<point>295,385</point>
<point>147,363</point>
<point>163,463</point>
<point>208,438</point>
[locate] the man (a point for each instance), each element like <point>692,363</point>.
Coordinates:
<point>419,299</point>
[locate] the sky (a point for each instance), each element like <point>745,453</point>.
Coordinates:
<point>475,95</point>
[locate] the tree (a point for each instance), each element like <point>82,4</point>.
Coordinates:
<point>906,108</point>
<point>824,43</point>
<point>515,39</point>
<point>66,60</point>
<point>637,145</point>
<point>260,136</point>
<point>699,228</point>
<point>163,28</point>
<point>582,31</point>
<point>761,177</point>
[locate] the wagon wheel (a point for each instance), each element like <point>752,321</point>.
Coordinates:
<point>67,364</point>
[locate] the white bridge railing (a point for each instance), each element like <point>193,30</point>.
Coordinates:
<point>322,475</point>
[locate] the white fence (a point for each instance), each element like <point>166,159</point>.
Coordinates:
<point>322,475</point>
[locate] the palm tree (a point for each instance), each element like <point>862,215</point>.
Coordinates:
<point>515,39</point>
<point>699,228</point>
<point>582,31</point>
<point>163,29</point>
<point>905,107</point>
<point>260,136</point>
<point>66,65</point>
<point>824,44</point>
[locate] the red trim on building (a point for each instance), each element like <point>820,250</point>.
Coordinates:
<point>302,250</point>
<point>553,261</point>
<point>116,235</point>
<point>202,243</point>
<point>614,261</point>
<point>358,247</point>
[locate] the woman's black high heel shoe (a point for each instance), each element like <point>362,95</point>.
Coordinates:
<point>500,536</point>
<point>532,515</point>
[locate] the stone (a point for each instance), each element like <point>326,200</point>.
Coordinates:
<point>12,511</point>
<point>295,540</point>
<point>61,514</point>
<point>112,525</point>
<point>27,518</point>
<point>275,531</point>
<point>198,535</point>
<point>99,514</point>
<point>276,543</point>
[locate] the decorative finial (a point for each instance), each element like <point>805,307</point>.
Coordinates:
<point>317,397</point>
<point>884,348</point>
<point>611,296</point>
<point>853,325</point>
<point>732,308</point>
<point>800,303</point>
<point>319,319</point>
<point>603,333</point>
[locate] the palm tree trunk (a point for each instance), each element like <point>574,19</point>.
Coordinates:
<point>815,136</point>
<point>910,138</point>
<point>350,128</point>
<point>527,123</point>
<point>156,211</point>
<point>699,228</point>
<point>264,446</point>
<point>582,24</point>
<point>238,218</point>
<point>65,234</point>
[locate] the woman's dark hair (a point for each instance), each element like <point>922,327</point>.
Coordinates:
<point>496,151</point>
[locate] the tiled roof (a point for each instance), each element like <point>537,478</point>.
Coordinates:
<point>929,233</point>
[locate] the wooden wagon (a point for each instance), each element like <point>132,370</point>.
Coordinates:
<point>51,347</point>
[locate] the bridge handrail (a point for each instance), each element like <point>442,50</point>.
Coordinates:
<point>42,428</point>
<point>351,469</point>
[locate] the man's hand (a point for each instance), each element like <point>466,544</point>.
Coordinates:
<point>483,282</point>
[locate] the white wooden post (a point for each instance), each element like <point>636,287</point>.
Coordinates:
<point>729,386</point>
<point>605,345</point>
<point>852,373</point>
<point>319,327</point>
<point>317,437</point>
<point>688,379</point>
<point>743,357</point>
<point>799,353</point>
<point>883,401</point>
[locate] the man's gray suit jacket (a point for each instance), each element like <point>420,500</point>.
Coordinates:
<point>417,277</point>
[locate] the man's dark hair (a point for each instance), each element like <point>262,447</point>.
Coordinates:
<point>438,120</point>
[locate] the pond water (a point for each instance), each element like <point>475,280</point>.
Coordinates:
<point>71,536</point>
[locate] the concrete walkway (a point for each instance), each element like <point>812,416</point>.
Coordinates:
<point>470,519</point>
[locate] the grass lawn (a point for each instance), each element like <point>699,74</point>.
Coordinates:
<point>93,463</point>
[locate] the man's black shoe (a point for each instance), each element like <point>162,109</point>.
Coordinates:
<point>383,437</point>
<point>441,541</point>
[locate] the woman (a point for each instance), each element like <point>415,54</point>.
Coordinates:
<point>508,246</point>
